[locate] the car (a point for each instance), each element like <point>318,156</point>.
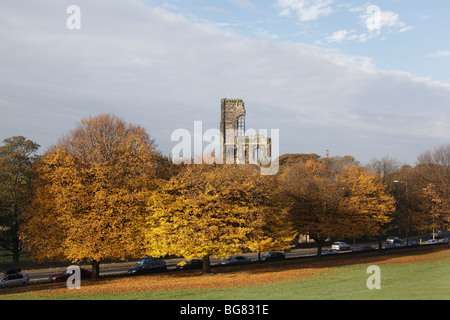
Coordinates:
<point>236,259</point>
<point>13,278</point>
<point>362,248</point>
<point>392,239</point>
<point>273,256</point>
<point>411,243</point>
<point>63,276</point>
<point>190,264</point>
<point>393,245</point>
<point>329,251</point>
<point>340,246</point>
<point>147,265</point>
<point>433,241</point>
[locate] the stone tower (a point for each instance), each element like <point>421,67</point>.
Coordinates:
<point>232,123</point>
<point>235,145</point>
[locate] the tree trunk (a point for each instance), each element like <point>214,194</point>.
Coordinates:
<point>95,269</point>
<point>206,265</point>
<point>320,244</point>
<point>16,250</point>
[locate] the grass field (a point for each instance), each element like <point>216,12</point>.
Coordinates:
<point>405,274</point>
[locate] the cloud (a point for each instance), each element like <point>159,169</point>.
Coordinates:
<point>305,10</point>
<point>439,54</point>
<point>343,35</point>
<point>162,71</point>
<point>376,20</point>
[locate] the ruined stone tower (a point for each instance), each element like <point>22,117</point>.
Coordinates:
<point>235,145</point>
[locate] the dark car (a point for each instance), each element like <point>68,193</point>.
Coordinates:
<point>273,256</point>
<point>393,245</point>
<point>190,264</point>
<point>363,248</point>
<point>148,265</point>
<point>235,260</point>
<point>411,243</point>
<point>326,252</point>
<point>63,276</point>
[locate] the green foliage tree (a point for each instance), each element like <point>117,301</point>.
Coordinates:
<point>17,156</point>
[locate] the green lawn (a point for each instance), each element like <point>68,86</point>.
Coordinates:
<point>428,280</point>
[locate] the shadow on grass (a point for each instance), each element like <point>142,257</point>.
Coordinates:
<point>291,264</point>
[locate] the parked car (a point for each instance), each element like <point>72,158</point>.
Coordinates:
<point>340,246</point>
<point>13,278</point>
<point>393,245</point>
<point>392,239</point>
<point>273,256</point>
<point>362,248</point>
<point>190,264</point>
<point>235,260</point>
<point>329,251</point>
<point>411,243</point>
<point>147,265</point>
<point>433,241</point>
<point>63,276</point>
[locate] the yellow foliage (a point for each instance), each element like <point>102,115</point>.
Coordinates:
<point>90,193</point>
<point>210,210</point>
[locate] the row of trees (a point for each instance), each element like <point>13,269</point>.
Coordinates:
<point>105,192</point>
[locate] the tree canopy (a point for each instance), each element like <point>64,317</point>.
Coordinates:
<point>88,203</point>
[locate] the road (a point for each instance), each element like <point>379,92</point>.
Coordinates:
<point>122,268</point>
<point>118,268</point>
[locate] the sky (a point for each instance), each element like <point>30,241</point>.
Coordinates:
<point>366,79</point>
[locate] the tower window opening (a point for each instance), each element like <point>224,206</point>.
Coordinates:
<point>241,126</point>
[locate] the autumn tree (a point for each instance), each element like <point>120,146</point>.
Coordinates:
<point>207,210</point>
<point>90,193</point>
<point>330,200</point>
<point>387,169</point>
<point>17,156</point>
<point>435,172</point>
<point>272,229</point>
<point>408,187</point>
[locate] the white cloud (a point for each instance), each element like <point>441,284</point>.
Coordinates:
<point>439,54</point>
<point>342,35</point>
<point>376,22</point>
<point>386,20</point>
<point>305,10</point>
<point>338,36</point>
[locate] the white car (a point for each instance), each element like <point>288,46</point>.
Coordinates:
<point>13,278</point>
<point>433,241</point>
<point>340,246</point>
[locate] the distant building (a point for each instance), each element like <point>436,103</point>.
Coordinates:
<point>236,146</point>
